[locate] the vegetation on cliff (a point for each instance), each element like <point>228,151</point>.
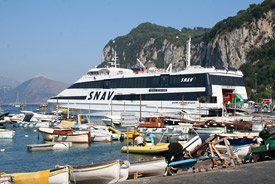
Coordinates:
<point>153,36</point>
<point>243,18</point>
<point>260,72</point>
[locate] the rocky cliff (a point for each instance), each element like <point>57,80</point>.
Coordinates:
<point>225,45</point>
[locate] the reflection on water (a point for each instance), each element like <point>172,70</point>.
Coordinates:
<point>16,158</point>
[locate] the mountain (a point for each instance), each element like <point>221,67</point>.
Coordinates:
<point>36,90</point>
<point>153,45</point>
<point>229,44</point>
<point>6,84</point>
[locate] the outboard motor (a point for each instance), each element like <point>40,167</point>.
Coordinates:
<point>175,153</point>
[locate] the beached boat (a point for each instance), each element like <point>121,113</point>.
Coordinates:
<point>49,146</point>
<point>65,135</point>
<point>187,163</point>
<point>29,177</point>
<point>6,179</point>
<point>147,168</point>
<point>108,172</point>
<point>59,176</point>
<point>240,138</point>
<point>240,150</point>
<point>53,176</point>
<point>6,134</point>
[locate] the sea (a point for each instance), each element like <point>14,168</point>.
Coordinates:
<point>14,156</point>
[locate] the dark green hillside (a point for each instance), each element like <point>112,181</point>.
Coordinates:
<point>260,72</point>
<point>128,46</point>
<point>243,18</point>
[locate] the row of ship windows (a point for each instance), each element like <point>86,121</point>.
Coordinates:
<point>149,82</point>
<point>161,81</point>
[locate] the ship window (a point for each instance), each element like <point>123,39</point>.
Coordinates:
<point>107,84</point>
<point>164,79</point>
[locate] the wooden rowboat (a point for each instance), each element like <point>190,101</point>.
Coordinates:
<point>59,176</point>
<point>49,146</point>
<point>147,168</point>
<point>66,135</point>
<point>108,172</point>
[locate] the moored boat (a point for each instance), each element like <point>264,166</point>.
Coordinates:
<point>210,130</point>
<point>6,134</point>
<point>66,135</point>
<point>49,146</point>
<point>147,149</point>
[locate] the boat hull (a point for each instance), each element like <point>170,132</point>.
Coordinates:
<point>6,134</point>
<point>59,176</point>
<point>108,172</point>
<point>65,135</point>
<point>147,149</point>
<point>148,168</point>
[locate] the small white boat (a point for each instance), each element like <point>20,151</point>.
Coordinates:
<point>101,134</point>
<point>65,135</point>
<point>49,146</point>
<point>108,172</point>
<point>169,129</point>
<point>59,176</point>
<point>104,133</point>
<point>240,150</point>
<point>147,168</point>
<point>6,134</point>
<point>210,130</point>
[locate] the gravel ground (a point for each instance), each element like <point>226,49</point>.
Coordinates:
<point>256,173</point>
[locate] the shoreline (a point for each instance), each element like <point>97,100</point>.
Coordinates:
<point>260,172</point>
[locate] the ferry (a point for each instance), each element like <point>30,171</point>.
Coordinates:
<point>113,90</point>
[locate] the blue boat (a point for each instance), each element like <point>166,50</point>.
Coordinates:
<point>187,163</point>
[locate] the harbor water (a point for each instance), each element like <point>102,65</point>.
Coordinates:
<point>15,157</point>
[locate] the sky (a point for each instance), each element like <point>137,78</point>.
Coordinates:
<point>63,39</point>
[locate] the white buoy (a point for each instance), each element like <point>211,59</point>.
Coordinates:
<point>2,149</point>
<point>35,130</point>
<point>26,135</point>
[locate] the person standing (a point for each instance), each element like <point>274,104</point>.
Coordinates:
<point>151,138</point>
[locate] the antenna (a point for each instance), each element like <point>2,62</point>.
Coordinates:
<point>188,52</point>
<point>114,59</point>
<point>169,68</point>
<point>141,64</point>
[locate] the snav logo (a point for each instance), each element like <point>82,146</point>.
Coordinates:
<point>100,95</point>
<point>186,79</point>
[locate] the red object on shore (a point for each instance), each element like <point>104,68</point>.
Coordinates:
<point>228,97</point>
